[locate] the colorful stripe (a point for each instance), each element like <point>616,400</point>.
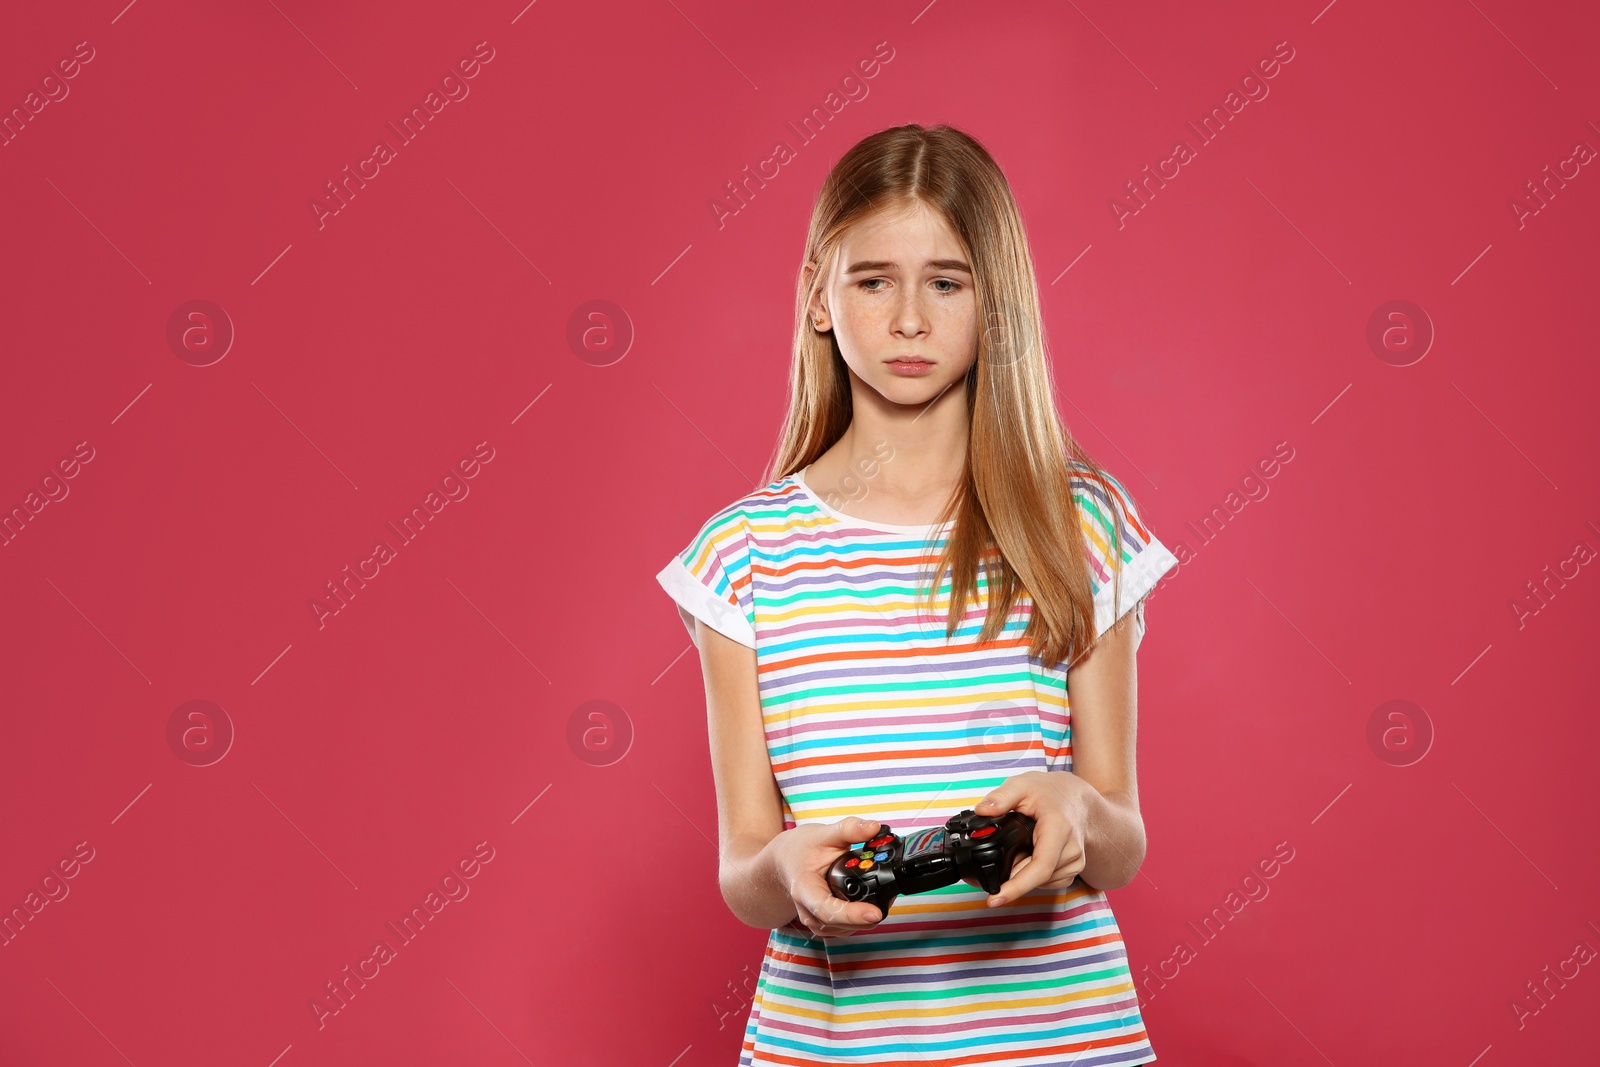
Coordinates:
<point>869,710</point>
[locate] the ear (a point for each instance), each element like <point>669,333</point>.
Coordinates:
<point>816,310</point>
<point>808,276</point>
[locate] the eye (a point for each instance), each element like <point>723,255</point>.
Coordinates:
<point>869,281</point>
<point>954,285</point>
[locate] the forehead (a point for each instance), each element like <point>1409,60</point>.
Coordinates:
<point>908,235</point>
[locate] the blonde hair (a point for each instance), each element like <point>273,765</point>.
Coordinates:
<point>1015,507</point>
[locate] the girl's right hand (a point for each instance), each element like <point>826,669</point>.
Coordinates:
<point>806,853</point>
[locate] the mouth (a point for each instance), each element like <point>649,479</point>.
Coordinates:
<point>909,365</point>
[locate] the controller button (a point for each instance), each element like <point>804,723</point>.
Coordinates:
<point>851,862</point>
<point>983,831</point>
<point>880,840</point>
<point>881,856</point>
<point>866,864</point>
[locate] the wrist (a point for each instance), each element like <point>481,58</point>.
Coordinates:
<point>1113,837</point>
<point>755,883</point>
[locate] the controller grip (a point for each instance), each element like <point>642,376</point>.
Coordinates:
<point>873,885</point>
<point>991,878</point>
<point>993,869</point>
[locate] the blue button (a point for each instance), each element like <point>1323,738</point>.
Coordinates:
<point>880,857</point>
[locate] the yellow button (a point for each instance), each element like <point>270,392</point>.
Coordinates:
<point>866,865</point>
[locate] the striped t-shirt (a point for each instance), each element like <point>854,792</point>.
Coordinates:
<point>870,711</point>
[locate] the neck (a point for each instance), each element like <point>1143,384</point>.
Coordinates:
<point>915,452</point>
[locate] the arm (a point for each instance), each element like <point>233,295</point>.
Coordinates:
<point>1088,827</point>
<point>749,805</point>
<point>1103,688</point>
<point>1087,823</point>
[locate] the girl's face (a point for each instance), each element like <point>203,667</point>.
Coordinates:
<point>901,288</point>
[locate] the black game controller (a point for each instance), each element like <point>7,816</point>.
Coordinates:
<point>971,848</point>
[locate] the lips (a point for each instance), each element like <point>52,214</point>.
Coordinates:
<point>910,366</point>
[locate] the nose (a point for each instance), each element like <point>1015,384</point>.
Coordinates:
<point>910,317</point>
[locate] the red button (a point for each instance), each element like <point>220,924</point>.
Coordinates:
<point>983,831</point>
<point>851,862</point>
<point>881,840</point>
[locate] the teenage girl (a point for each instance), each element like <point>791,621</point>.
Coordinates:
<point>933,604</point>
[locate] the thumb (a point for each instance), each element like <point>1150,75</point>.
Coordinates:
<point>856,828</point>
<point>996,802</point>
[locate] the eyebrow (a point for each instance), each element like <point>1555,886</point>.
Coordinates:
<point>862,266</point>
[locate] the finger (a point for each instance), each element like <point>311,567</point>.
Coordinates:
<point>1007,796</point>
<point>820,926</point>
<point>1017,884</point>
<point>998,801</point>
<point>1049,838</point>
<point>831,909</point>
<point>809,920</point>
<point>854,913</point>
<point>849,830</point>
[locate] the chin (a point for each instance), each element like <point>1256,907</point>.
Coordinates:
<point>912,390</point>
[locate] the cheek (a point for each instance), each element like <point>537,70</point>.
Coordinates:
<point>855,327</point>
<point>860,315</point>
<point>959,328</point>
<point>956,320</point>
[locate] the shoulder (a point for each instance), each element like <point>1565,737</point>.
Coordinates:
<point>1101,497</point>
<point>1113,529</point>
<point>734,520</point>
<point>1126,559</point>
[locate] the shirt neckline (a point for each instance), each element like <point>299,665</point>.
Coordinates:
<point>799,480</point>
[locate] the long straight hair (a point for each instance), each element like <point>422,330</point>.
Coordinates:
<point>1014,507</point>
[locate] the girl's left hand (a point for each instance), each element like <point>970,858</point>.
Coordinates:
<point>1057,803</point>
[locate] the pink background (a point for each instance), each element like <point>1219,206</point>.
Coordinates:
<point>445,704</point>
